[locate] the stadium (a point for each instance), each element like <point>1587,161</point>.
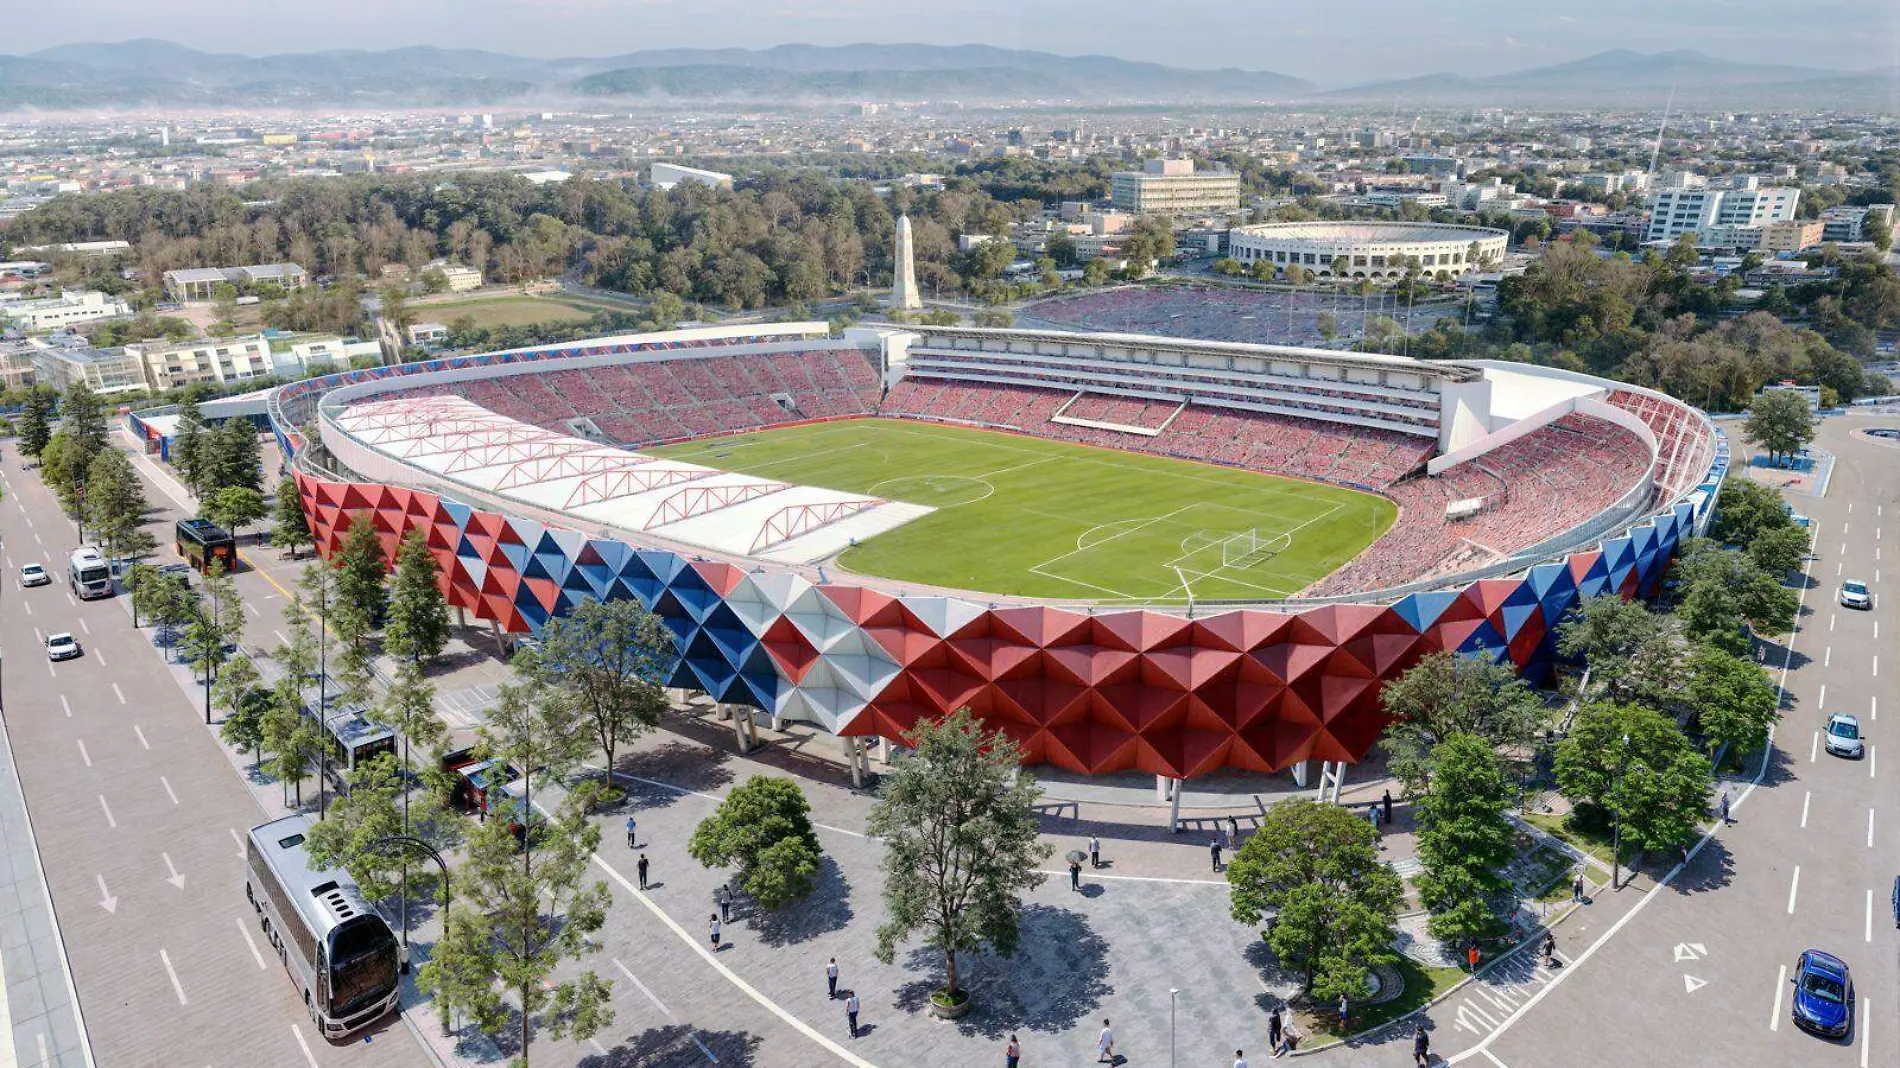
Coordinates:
<point>1127,552</point>
<point>1375,251</point>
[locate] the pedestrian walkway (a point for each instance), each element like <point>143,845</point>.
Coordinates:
<point>39,1008</point>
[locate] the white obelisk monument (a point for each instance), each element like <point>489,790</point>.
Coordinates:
<point>904,296</point>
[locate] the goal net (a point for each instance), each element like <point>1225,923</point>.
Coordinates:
<point>1251,547</point>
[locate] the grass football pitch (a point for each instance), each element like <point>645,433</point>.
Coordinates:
<point>1037,518</point>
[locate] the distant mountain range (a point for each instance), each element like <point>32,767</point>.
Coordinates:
<point>151,73</point>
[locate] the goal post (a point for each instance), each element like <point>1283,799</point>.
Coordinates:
<point>1250,547</point>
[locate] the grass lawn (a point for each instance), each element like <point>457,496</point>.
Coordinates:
<point>1422,984</point>
<point>1595,843</point>
<point>515,311</point>
<point>1037,518</point>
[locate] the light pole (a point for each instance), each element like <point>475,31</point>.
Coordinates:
<point>414,843</point>
<point>1172,992</point>
<point>1616,818</point>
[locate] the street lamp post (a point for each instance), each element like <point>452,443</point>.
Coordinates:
<point>411,842</point>
<point>1616,818</point>
<point>1173,991</point>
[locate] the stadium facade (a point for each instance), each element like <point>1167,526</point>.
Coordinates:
<point>522,470</point>
<point>1375,251</point>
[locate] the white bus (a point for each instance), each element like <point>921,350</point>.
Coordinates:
<point>340,954</point>
<point>88,574</point>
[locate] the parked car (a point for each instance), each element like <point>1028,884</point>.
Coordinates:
<point>1823,994</point>
<point>1854,595</point>
<point>1842,736</point>
<point>61,647</point>
<point>35,575</point>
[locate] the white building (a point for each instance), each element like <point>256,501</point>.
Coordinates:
<point>461,279</point>
<point>668,175</point>
<point>64,360</point>
<point>1173,187</point>
<point>1371,250</point>
<point>168,365</point>
<point>317,355</point>
<point>1691,209</point>
<point>51,313</point>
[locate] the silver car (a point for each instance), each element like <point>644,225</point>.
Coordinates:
<point>35,575</point>
<point>1854,595</point>
<point>1842,736</point>
<point>61,647</point>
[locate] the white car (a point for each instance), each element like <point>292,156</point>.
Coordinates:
<point>1854,595</point>
<point>35,575</point>
<point>1842,737</point>
<point>61,647</point>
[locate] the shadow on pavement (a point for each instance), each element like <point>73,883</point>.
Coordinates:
<point>1058,977</point>
<point>677,1046</point>
<point>827,909</point>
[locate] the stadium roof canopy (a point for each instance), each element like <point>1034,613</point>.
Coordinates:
<point>630,491</point>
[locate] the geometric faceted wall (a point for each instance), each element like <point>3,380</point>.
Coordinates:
<point>1091,692</point>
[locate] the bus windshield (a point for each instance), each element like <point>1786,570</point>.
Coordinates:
<point>95,574</point>
<point>363,967</point>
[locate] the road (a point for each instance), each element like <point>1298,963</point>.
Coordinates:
<point>139,818</point>
<point>1699,973</point>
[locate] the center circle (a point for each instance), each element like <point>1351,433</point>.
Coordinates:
<point>937,491</point>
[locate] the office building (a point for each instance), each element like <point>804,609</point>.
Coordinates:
<point>168,365</point>
<point>1692,209</point>
<point>1173,187</point>
<point>68,309</point>
<point>65,360</point>
<point>201,283</point>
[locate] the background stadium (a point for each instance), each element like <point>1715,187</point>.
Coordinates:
<point>1128,552</point>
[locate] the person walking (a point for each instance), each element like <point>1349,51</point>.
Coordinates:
<point>1095,852</point>
<point>631,825</point>
<point>1576,889</point>
<point>831,979</point>
<point>712,929</point>
<point>1550,949</point>
<point>1342,1014</point>
<point>1386,801</point>
<point>723,898</point>
<point>1233,834</point>
<point>1105,1044</point>
<point>641,867</point>
<point>1240,1059</point>
<point>1012,1053</point>
<point>1213,849</point>
<point>1471,957</point>
<point>1276,1036</point>
<point>1421,1048</point>
<point>1372,812</point>
<point>1075,876</point>
<point>851,1007</point>
<point>1725,820</point>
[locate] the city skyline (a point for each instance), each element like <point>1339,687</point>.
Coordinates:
<point>1327,45</point>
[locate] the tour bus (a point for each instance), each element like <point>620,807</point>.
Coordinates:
<point>354,742</point>
<point>88,574</point>
<point>201,541</point>
<point>340,954</point>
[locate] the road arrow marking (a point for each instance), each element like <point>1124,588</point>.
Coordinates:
<point>1690,984</point>
<point>106,900</point>
<point>176,879</point>
<point>1690,951</point>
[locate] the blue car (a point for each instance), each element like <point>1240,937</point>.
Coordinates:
<point>1823,994</point>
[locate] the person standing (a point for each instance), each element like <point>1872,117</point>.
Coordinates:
<point>1105,1044</point>
<point>1213,850</point>
<point>1342,1014</point>
<point>1725,820</point>
<point>1550,949</point>
<point>642,869</point>
<point>851,1012</point>
<point>1095,852</point>
<point>1275,1034</point>
<point>1233,833</point>
<point>1240,1059</point>
<point>1386,802</point>
<point>1576,889</point>
<point>1012,1053</point>
<point>831,979</point>
<point>1422,1048</point>
<point>631,842</point>
<point>1075,876</point>
<point>712,929</point>
<point>723,898</point>
<point>1372,812</point>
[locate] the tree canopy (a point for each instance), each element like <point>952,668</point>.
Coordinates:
<point>1445,694</point>
<point>763,828</point>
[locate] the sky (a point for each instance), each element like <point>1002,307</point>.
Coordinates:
<point>1334,43</point>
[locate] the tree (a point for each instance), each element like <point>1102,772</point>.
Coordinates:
<point>187,442</point>
<point>434,281</point>
<point>362,570</point>
<point>243,703</point>
<point>36,420</point>
<point>610,659</point>
<point>61,468</point>
<point>294,738</point>
<point>1465,841</point>
<point>1781,422</point>
<point>290,527</point>
<point>215,628</point>
<point>1445,694</point>
<point>82,417</point>
<point>1780,550</point>
<point>396,308</point>
<point>1745,510</point>
<point>234,507</point>
<point>958,822</point>
<point>1631,652</point>
<point>1634,767</point>
<point>1095,272</point>
<point>240,462</point>
<point>763,829</point>
<point>418,626</point>
<point>1721,590</point>
<point>1315,867</point>
<point>115,503</point>
<point>1734,703</point>
<point>529,897</point>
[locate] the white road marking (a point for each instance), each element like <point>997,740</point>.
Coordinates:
<point>106,900</point>
<point>85,626</point>
<point>28,605</point>
<point>1872,761</point>
<point>1821,701</point>
<point>1837,569</point>
<point>1781,983</point>
<point>108,811</point>
<point>1493,1058</point>
<point>36,537</point>
<point>83,755</point>
<point>140,731</point>
<point>168,789</point>
<point>1866,1017</point>
<point>297,1032</point>
<point>175,879</point>
<point>120,694</point>
<point>65,707</point>
<point>1794,888</point>
<point>1870,828</point>
<point>1830,622</point>
<point>252,609</point>
<point>282,639</point>
<point>1873,708</point>
<point>1827,657</point>
<point>50,670</point>
<point>99,656</point>
<point>245,930</point>
<point>1806,796</point>
<point>1869,932</point>
<point>1876,664</point>
<point>239,839</point>
<point>657,1003</point>
<point>169,970</point>
<point>1814,750</point>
